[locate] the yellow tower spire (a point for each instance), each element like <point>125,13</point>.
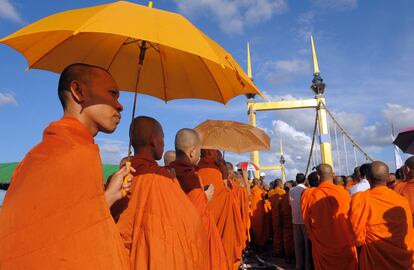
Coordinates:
<point>281,147</point>
<point>282,162</point>
<point>249,63</point>
<point>315,59</point>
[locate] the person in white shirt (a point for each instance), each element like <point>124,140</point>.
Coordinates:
<point>300,237</point>
<point>363,183</point>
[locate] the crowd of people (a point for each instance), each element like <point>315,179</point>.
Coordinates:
<point>196,211</point>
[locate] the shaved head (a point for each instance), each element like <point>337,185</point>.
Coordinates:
<point>338,180</point>
<point>409,168</point>
<point>325,172</point>
<point>378,173</point>
<point>279,183</point>
<point>187,144</point>
<point>186,138</point>
<point>169,157</point>
<point>76,72</point>
<point>147,136</point>
<point>209,153</point>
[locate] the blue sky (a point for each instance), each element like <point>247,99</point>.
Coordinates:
<point>365,51</point>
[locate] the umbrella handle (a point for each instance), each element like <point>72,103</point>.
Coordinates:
<point>123,191</point>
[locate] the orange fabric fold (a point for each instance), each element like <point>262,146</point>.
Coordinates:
<point>244,205</point>
<point>325,215</point>
<point>275,195</point>
<point>382,224</point>
<point>191,185</point>
<point>55,215</point>
<point>406,189</point>
<point>226,213</point>
<point>161,228</point>
<point>261,218</point>
<point>286,217</point>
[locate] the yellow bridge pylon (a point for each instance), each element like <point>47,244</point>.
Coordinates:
<point>318,103</point>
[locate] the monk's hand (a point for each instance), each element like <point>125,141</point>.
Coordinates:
<point>117,185</point>
<point>209,192</point>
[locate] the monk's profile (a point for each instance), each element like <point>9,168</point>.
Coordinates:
<point>56,212</point>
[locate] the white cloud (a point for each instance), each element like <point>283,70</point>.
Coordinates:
<point>233,16</point>
<point>283,71</point>
<point>112,151</point>
<point>400,116</point>
<point>7,98</point>
<point>305,25</point>
<point>336,4</point>
<point>9,12</point>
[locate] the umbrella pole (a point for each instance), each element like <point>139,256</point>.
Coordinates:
<point>142,50</point>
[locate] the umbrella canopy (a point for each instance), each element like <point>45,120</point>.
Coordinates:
<point>7,169</point>
<point>232,136</point>
<point>247,166</point>
<point>405,141</point>
<point>180,60</point>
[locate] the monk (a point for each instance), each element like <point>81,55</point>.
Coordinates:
<point>325,215</point>
<point>382,224</point>
<point>349,182</point>
<point>169,157</point>
<point>212,170</point>
<point>392,181</point>
<point>286,218</point>
<point>406,187</point>
<point>56,211</point>
<point>338,181</point>
<point>161,228</point>
<point>187,149</point>
<point>260,223</point>
<point>275,195</point>
<point>241,195</point>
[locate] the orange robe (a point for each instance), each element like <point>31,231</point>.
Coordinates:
<point>191,185</point>
<point>286,217</point>
<point>55,215</point>
<point>225,211</point>
<point>325,215</point>
<point>275,196</point>
<point>406,189</point>
<point>161,228</point>
<point>382,224</point>
<point>348,186</point>
<point>260,220</point>
<point>242,198</point>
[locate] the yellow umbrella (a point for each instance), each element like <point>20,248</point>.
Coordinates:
<point>180,60</point>
<point>232,136</point>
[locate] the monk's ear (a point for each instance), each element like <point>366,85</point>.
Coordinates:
<point>77,90</point>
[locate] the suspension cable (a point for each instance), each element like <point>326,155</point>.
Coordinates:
<point>355,156</point>
<point>337,149</point>
<point>348,136</point>
<point>346,155</point>
<point>313,142</point>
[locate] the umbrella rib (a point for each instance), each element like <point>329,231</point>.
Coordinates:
<point>49,51</point>
<point>163,75</point>
<point>116,54</point>
<point>214,79</point>
<point>71,35</point>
